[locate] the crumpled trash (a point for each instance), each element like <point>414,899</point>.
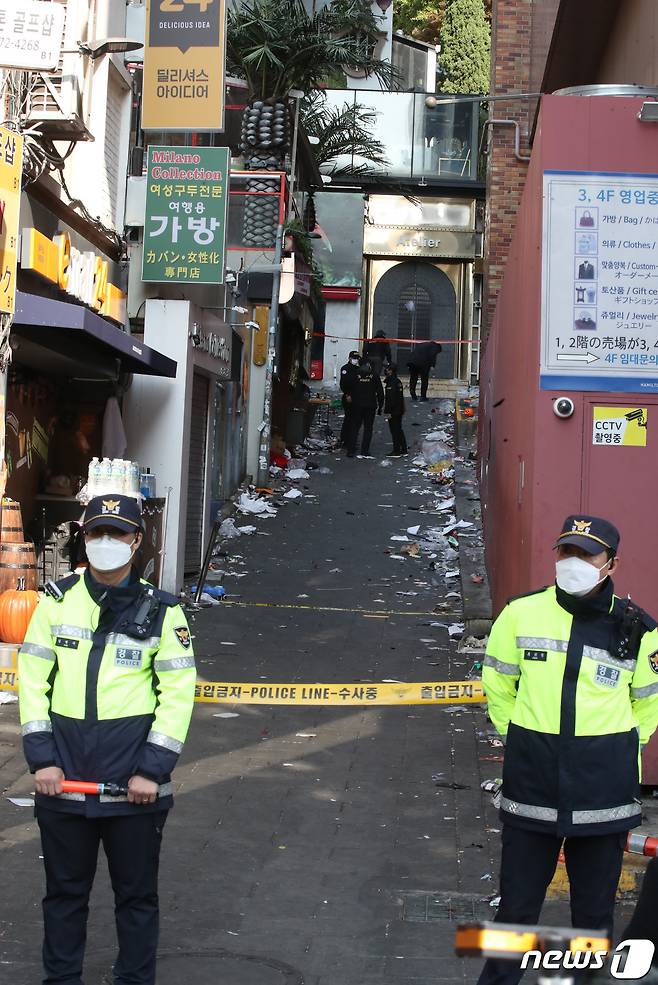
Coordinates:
<point>254,505</point>
<point>228,529</point>
<point>7,698</point>
<point>324,471</point>
<point>386,463</point>
<point>436,451</point>
<point>248,530</point>
<point>297,463</point>
<point>292,494</point>
<point>215,592</point>
<point>295,474</point>
<point>456,629</point>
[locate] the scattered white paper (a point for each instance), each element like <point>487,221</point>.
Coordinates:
<point>452,574</point>
<point>297,474</point>
<point>292,494</point>
<point>248,530</point>
<point>456,629</point>
<point>21,801</point>
<point>251,504</point>
<point>226,714</point>
<point>400,537</point>
<point>6,698</point>
<point>413,530</point>
<point>306,735</point>
<point>223,643</point>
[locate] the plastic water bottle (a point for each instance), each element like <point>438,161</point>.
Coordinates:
<point>116,476</point>
<point>93,478</point>
<point>105,478</point>
<point>134,478</point>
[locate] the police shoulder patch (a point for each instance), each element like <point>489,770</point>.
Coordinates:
<point>183,636</point>
<point>653,661</point>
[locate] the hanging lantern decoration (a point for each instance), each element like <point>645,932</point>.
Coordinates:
<point>16,608</point>
<point>383,5</point>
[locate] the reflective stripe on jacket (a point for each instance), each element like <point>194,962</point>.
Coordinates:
<point>102,699</point>
<point>574,713</point>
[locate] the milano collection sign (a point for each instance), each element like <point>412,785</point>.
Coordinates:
<point>184,65</point>
<point>185,222</point>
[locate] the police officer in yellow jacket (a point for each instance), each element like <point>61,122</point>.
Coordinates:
<point>107,684</point>
<point>571,677</point>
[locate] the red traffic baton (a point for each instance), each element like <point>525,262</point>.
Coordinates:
<point>82,786</point>
<point>642,845</point>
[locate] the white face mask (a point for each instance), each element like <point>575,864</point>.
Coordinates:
<point>577,577</point>
<point>107,553</point>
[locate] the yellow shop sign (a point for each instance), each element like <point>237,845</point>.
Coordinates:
<point>81,275</point>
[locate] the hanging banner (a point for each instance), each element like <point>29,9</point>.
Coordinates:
<point>11,157</point>
<point>600,282</point>
<point>185,223</point>
<point>31,34</point>
<point>184,65</point>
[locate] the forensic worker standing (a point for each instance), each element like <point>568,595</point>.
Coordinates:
<point>347,374</point>
<point>571,677</point>
<point>394,410</point>
<point>366,398</point>
<point>107,684</point>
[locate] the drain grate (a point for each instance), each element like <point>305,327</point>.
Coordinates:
<point>421,907</point>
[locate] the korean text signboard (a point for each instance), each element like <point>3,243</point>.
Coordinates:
<point>600,282</point>
<point>30,34</point>
<point>185,224</point>
<point>11,157</point>
<point>620,426</point>
<point>184,59</point>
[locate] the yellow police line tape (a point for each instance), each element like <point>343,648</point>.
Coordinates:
<point>386,693</point>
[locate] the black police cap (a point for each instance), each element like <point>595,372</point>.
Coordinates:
<point>121,512</point>
<point>591,533</point>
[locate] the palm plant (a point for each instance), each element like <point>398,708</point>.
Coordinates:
<point>277,45</point>
<point>341,132</point>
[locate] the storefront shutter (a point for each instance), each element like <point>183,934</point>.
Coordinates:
<point>196,482</point>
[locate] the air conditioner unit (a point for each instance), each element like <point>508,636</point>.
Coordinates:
<point>55,100</point>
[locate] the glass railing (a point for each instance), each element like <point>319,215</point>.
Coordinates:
<point>420,140</point>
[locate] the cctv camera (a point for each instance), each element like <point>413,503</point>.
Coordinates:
<point>563,407</point>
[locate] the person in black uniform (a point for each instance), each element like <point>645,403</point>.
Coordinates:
<point>421,360</point>
<point>366,397</point>
<point>378,352</point>
<point>107,683</point>
<point>394,409</point>
<point>347,373</point>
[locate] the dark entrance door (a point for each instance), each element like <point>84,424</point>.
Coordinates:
<point>415,301</point>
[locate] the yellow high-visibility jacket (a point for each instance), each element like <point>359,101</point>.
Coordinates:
<point>575,703</point>
<point>106,687</point>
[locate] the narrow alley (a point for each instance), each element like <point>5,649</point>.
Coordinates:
<point>315,845</point>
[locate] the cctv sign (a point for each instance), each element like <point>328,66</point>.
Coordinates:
<point>31,34</point>
<point>621,426</point>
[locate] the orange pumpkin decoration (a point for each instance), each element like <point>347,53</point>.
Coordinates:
<point>16,608</point>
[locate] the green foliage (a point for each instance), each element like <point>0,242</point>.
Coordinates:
<point>465,47</point>
<point>422,19</point>
<point>277,45</point>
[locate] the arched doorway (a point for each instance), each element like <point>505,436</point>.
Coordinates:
<point>416,301</point>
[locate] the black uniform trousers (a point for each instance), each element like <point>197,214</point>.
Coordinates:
<point>361,416</point>
<point>345,429</point>
<point>70,851</point>
<point>644,924</point>
<point>414,374</point>
<point>528,864</point>
<point>397,434</point>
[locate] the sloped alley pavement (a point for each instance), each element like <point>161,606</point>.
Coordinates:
<point>328,845</point>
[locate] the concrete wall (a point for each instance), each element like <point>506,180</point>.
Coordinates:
<point>157,416</point>
<point>536,468</point>
<point>342,320</point>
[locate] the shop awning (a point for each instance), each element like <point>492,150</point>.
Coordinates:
<point>74,331</point>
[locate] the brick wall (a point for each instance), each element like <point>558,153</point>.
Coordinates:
<point>510,72</point>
